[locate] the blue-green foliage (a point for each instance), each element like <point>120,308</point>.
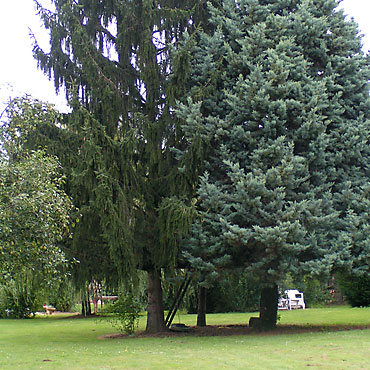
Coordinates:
<point>278,110</point>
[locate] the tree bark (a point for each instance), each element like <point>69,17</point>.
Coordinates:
<point>155,319</point>
<point>202,303</point>
<point>268,307</point>
<point>86,308</point>
<point>85,304</point>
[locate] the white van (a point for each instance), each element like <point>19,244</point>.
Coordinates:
<point>292,298</point>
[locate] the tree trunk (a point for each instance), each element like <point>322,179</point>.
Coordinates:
<point>86,308</point>
<point>202,303</point>
<point>85,304</point>
<point>268,307</point>
<point>155,320</point>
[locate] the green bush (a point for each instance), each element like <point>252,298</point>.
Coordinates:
<point>126,313</point>
<point>21,296</point>
<point>356,289</point>
<point>62,296</point>
<point>316,291</point>
<point>236,292</point>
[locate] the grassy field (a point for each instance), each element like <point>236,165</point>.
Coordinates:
<point>64,343</point>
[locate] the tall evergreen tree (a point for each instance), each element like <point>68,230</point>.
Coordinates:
<point>114,59</point>
<point>278,111</point>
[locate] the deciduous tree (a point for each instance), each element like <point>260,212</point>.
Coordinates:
<point>34,209</point>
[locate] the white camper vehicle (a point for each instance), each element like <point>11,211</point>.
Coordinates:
<point>291,299</point>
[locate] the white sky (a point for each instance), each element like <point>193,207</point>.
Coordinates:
<point>18,69</point>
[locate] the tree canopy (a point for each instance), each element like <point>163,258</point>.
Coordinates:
<point>278,111</point>
<point>273,115</point>
<point>114,58</point>
<point>34,209</point>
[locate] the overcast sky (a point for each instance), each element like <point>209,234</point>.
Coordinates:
<point>18,69</point>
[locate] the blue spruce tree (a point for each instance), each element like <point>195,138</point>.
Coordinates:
<point>277,115</point>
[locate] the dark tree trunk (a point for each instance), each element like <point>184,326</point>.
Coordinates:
<point>88,306</point>
<point>202,303</point>
<point>268,307</point>
<point>155,320</point>
<point>86,309</point>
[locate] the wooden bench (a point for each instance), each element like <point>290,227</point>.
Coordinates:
<point>49,309</point>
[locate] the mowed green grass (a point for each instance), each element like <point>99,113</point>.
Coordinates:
<point>61,343</point>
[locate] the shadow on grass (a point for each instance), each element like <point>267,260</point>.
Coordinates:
<point>230,330</point>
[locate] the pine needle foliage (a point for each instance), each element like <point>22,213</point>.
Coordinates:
<point>115,60</point>
<point>278,113</point>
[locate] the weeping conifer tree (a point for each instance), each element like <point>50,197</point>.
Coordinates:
<point>278,111</point>
<point>114,59</point>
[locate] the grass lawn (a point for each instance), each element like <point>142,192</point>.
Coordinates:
<point>62,343</point>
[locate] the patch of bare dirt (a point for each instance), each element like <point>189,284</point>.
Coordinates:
<point>77,315</point>
<point>60,313</point>
<point>229,330</point>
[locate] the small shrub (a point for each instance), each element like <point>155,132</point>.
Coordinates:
<point>236,292</point>
<point>126,313</point>
<point>316,292</point>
